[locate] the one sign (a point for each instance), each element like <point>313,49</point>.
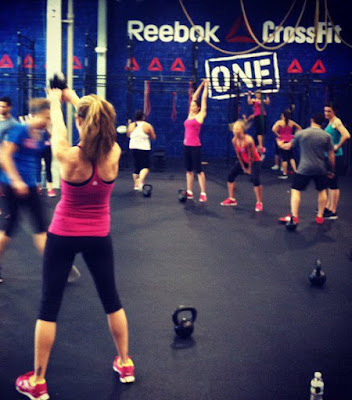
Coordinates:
<point>246,72</point>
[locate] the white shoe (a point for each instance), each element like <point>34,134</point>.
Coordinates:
<point>73,275</point>
<point>275,167</point>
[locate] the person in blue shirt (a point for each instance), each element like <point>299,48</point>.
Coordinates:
<point>19,153</point>
<point>339,135</point>
<point>20,150</point>
<point>7,121</point>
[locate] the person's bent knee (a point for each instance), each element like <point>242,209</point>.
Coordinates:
<point>112,307</point>
<point>49,312</point>
<point>333,186</point>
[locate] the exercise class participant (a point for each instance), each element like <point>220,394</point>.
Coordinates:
<point>339,135</point>
<point>81,224</point>
<point>248,162</point>
<point>283,130</point>
<point>314,143</point>
<point>19,161</point>
<point>140,132</point>
<point>192,145</point>
<point>46,155</point>
<point>259,113</point>
<point>7,121</point>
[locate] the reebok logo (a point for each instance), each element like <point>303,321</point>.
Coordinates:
<point>171,33</point>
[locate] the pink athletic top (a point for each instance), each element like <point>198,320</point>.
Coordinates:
<point>257,108</point>
<point>192,132</point>
<point>84,209</point>
<point>285,133</point>
<point>243,151</point>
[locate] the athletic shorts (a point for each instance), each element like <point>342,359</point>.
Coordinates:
<point>141,160</point>
<point>260,125</point>
<point>300,182</point>
<point>193,159</point>
<point>237,170</point>
<point>31,203</point>
<point>286,155</point>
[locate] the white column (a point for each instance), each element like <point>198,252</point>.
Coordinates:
<point>53,56</point>
<point>53,38</point>
<point>101,48</point>
<point>69,67</point>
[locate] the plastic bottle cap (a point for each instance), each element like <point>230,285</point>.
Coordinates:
<point>317,375</point>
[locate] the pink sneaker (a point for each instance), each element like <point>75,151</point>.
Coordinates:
<point>319,220</point>
<point>51,193</point>
<point>126,371</point>
<point>287,218</point>
<point>203,198</point>
<point>229,202</point>
<point>259,207</point>
<point>37,392</point>
<point>189,195</point>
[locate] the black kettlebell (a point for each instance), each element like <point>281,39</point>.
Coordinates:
<point>147,190</point>
<point>184,327</point>
<point>182,195</point>
<point>291,225</point>
<point>317,277</point>
<point>58,81</point>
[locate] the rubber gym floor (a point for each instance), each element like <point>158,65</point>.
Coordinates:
<point>261,331</point>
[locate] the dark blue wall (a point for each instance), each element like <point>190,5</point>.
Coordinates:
<point>309,91</point>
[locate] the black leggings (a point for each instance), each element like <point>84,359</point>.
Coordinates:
<point>193,159</point>
<point>237,170</point>
<point>32,202</point>
<point>59,254</point>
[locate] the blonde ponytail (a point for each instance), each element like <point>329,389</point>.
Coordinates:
<point>98,133</point>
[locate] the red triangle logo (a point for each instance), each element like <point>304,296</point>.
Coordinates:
<point>76,63</point>
<point>6,62</point>
<point>178,66</point>
<point>240,27</point>
<point>155,65</point>
<point>28,62</point>
<point>318,68</point>
<point>132,65</point>
<point>295,67</point>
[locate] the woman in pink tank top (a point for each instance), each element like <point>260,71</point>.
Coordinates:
<point>284,129</point>
<point>248,162</point>
<point>192,145</point>
<point>259,115</point>
<point>81,224</point>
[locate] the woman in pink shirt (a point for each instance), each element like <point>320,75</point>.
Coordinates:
<point>284,129</point>
<point>248,162</point>
<point>81,224</point>
<point>192,145</point>
<point>259,115</point>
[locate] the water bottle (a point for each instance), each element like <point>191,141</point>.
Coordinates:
<point>316,387</point>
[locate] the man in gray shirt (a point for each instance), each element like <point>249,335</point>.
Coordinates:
<point>314,144</point>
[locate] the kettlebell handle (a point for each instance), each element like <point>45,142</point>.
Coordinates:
<point>180,309</point>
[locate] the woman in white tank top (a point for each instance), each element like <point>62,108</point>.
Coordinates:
<point>140,134</point>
